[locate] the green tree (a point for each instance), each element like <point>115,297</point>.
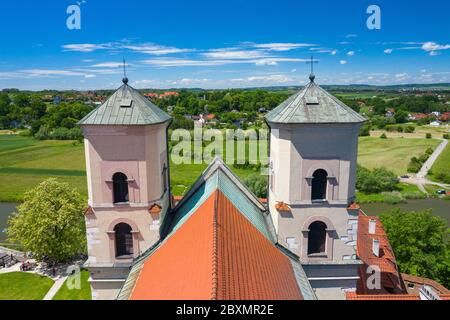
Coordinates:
<point>420,243</point>
<point>257,184</point>
<point>50,222</point>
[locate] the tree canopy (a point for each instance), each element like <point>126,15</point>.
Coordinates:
<point>420,243</point>
<point>50,222</point>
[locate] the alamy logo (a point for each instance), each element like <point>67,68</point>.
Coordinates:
<point>374,20</point>
<point>73,21</point>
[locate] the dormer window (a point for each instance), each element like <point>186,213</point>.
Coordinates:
<point>312,100</point>
<point>126,103</point>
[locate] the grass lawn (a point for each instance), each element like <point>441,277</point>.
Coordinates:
<point>392,153</point>
<point>84,293</point>
<point>25,162</point>
<point>442,164</point>
<point>24,286</point>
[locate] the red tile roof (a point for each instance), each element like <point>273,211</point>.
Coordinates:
<point>217,254</point>
<point>419,281</point>
<point>390,277</point>
<point>355,296</point>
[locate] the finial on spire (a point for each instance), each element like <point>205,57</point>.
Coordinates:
<point>125,79</point>
<point>312,77</point>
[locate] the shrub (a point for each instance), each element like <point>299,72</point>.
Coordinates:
<point>446,136</point>
<point>383,136</point>
<point>393,197</point>
<point>257,184</point>
<point>428,136</point>
<point>429,151</point>
<point>376,181</point>
<point>409,129</point>
<point>400,129</point>
<point>43,133</point>
<point>364,131</point>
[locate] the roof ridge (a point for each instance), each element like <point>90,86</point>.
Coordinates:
<point>215,260</point>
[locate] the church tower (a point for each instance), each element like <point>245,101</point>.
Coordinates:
<point>128,185</point>
<point>313,154</point>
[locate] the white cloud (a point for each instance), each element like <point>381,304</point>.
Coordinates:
<point>388,51</point>
<point>110,65</point>
<point>88,76</point>
<point>434,53</point>
<point>333,52</point>
<point>282,46</point>
<point>343,62</point>
<point>234,54</point>
<point>85,47</point>
<point>274,61</point>
<point>155,49</point>
<point>272,79</point>
<point>351,35</point>
<point>183,62</point>
<point>433,46</point>
<point>351,53</point>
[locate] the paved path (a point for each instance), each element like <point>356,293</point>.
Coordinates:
<point>55,288</point>
<point>431,160</point>
<point>420,179</point>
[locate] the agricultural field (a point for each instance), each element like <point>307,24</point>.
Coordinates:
<point>25,162</point>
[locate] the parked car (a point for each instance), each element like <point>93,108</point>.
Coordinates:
<point>405,177</point>
<point>442,192</point>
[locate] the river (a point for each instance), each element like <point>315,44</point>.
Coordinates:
<point>440,208</point>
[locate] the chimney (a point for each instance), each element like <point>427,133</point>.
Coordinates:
<point>376,247</point>
<point>372,226</point>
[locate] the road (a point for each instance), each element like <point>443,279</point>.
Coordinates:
<point>420,178</point>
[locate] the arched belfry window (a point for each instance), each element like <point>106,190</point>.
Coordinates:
<point>317,238</point>
<point>319,185</point>
<point>120,188</point>
<point>124,240</point>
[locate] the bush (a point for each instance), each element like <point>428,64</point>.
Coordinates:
<point>400,129</point>
<point>43,133</point>
<point>409,129</point>
<point>428,136</point>
<point>393,197</point>
<point>67,134</point>
<point>376,181</point>
<point>429,151</point>
<point>364,131</point>
<point>257,184</point>
<point>383,136</point>
<point>446,136</point>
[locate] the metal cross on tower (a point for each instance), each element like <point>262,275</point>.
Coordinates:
<point>125,79</point>
<point>312,62</point>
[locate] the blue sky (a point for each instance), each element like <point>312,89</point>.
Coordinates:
<point>221,44</point>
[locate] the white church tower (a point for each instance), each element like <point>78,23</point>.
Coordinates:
<point>313,154</point>
<point>128,185</point>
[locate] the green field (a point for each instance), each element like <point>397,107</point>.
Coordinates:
<point>392,153</point>
<point>24,286</point>
<point>84,293</point>
<point>25,162</point>
<point>442,164</point>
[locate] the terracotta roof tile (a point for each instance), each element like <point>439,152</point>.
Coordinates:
<point>355,296</point>
<point>425,281</point>
<point>217,254</point>
<point>390,277</point>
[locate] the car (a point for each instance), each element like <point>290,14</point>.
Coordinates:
<point>442,192</point>
<point>405,177</point>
